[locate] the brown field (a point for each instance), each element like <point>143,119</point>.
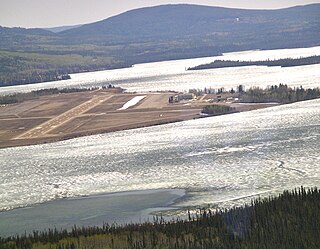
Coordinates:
<point>63,116</point>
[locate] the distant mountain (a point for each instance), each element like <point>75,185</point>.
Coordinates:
<point>214,25</point>
<point>24,31</point>
<point>62,28</point>
<point>22,38</point>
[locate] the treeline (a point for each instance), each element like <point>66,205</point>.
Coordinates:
<point>20,97</point>
<point>19,70</point>
<point>280,94</point>
<point>24,77</point>
<point>290,220</point>
<point>217,109</point>
<point>288,62</point>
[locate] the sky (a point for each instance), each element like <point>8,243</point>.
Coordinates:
<point>53,13</point>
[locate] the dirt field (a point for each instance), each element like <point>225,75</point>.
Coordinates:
<point>63,116</point>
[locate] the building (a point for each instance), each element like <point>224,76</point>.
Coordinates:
<point>182,96</point>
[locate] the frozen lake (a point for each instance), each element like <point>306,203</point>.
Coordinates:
<point>220,161</point>
<point>172,75</point>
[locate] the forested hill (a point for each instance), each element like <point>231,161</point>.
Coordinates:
<point>22,31</point>
<point>158,33</point>
<point>223,27</point>
<point>191,26</point>
<point>289,62</point>
<point>62,28</point>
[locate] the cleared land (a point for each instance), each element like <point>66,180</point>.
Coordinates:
<point>63,116</point>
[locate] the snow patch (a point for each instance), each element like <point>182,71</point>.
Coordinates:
<point>132,102</point>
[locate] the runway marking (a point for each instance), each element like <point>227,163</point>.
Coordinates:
<point>46,127</point>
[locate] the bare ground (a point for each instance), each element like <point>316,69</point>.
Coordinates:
<point>64,116</point>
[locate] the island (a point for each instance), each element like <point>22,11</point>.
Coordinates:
<point>289,62</point>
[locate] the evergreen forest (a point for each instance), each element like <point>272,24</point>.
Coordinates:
<point>279,93</point>
<point>288,62</point>
<point>217,109</point>
<point>290,220</point>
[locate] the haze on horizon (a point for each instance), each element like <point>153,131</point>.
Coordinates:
<point>47,13</point>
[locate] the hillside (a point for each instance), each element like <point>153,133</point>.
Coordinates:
<point>62,28</point>
<point>217,25</point>
<point>152,34</point>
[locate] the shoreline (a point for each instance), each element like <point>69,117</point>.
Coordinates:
<point>33,86</point>
<point>45,140</point>
<point>92,210</point>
